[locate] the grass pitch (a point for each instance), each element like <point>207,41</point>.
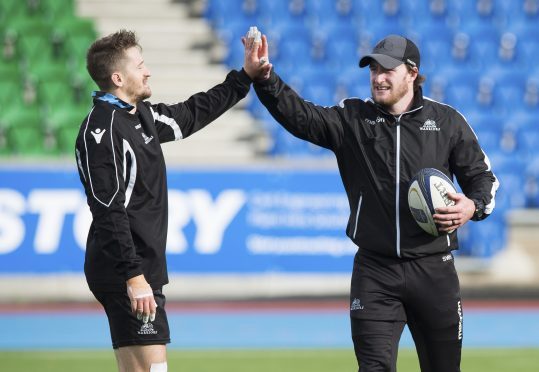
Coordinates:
<point>474,360</point>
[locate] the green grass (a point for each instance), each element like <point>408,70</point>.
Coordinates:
<point>474,360</point>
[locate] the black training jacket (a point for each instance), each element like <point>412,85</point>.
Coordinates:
<point>122,169</point>
<point>377,155</point>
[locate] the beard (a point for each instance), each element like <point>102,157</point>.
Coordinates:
<point>138,93</point>
<point>394,97</point>
<point>143,94</point>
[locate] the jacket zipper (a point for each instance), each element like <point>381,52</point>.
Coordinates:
<point>397,179</point>
<point>397,185</point>
<point>357,214</point>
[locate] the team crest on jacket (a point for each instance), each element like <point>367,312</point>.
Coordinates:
<point>429,125</point>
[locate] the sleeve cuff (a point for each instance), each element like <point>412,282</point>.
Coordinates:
<point>269,81</point>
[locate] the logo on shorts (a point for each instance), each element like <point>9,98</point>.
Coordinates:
<point>356,304</point>
<point>147,329</point>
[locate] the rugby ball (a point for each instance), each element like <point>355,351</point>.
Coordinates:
<point>428,191</point>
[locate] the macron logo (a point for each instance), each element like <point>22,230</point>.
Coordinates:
<point>98,134</point>
<point>429,125</point>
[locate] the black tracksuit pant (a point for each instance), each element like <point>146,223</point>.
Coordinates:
<point>388,293</point>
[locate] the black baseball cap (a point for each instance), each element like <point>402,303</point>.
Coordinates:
<point>393,51</point>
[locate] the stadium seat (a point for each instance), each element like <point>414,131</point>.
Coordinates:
<point>527,142</point>
<point>435,42</point>
<point>65,116</point>
<point>75,35</point>
<point>484,44</point>
<point>342,51</point>
<point>32,38</point>
<point>477,12</point>
<point>461,87</point>
<point>387,12</point>
<point>288,145</point>
<point>526,45</point>
<point>65,139</point>
<point>428,11</point>
<point>487,237</point>
<point>293,46</point>
<point>489,139</point>
<point>352,82</point>
<point>221,12</point>
<point>10,9</point>
<point>321,12</point>
<point>531,92</point>
<point>24,130</point>
<point>276,13</point>
<point>55,10</point>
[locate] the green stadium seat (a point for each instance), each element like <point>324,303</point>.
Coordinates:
<point>65,139</point>
<point>23,129</point>
<point>32,38</point>
<point>75,35</point>
<point>20,115</point>
<point>12,9</point>
<point>11,93</point>
<point>66,116</point>
<point>26,140</point>
<point>56,10</point>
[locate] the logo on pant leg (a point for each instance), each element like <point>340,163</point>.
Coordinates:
<point>147,329</point>
<point>356,304</point>
<point>459,312</point>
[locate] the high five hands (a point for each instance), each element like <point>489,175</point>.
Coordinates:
<point>256,61</point>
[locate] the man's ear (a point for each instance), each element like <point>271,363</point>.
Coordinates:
<point>117,79</point>
<point>414,72</point>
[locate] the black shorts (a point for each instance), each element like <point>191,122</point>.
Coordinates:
<point>126,329</point>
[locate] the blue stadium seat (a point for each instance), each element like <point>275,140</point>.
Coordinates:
<point>489,139</point>
<point>461,87</point>
<point>484,44</point>
<point>481,119</point>
<point>509,88</point>
<point>528,142</point>
<point>291,44</point>
<point>435,42</point>
<point>384,11</point>
<point>430,11</point>
<point>468,12</point>
<point>221,12</point>
<point>353,81</point>
<point>527,45</point>
<point>531,91</point>
<point>486,238</point>
<point>321,12</point>
<point>276,13</point>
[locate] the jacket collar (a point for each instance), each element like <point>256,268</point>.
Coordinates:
<point>112,99</point>
<point>417,103</point>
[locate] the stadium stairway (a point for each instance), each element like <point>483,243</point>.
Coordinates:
<point>177,50</point>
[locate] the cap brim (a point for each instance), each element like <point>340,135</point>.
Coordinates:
<point>386,62</point>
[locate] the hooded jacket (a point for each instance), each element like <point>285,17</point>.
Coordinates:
<point>378,154</point>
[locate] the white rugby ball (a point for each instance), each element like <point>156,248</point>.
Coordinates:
<point>428,191</point>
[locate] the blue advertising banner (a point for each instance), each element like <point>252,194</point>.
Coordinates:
<point>220,221</point>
